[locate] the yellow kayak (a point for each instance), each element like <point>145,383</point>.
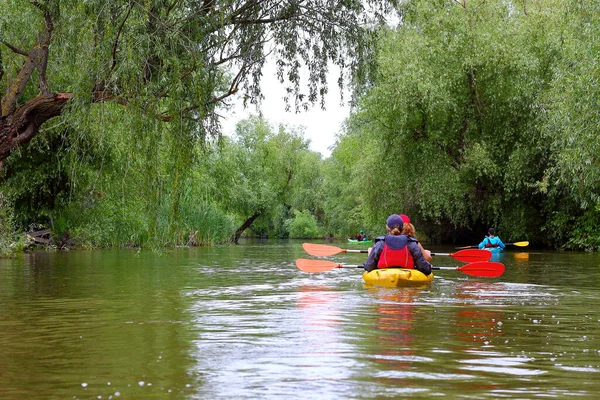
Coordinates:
<point>396,277</point>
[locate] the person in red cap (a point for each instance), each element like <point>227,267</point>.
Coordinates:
<point>396,249</point>
<point>409,230</point>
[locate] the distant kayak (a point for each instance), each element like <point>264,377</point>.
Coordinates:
<point>396,277</point>
<point>354,241</point>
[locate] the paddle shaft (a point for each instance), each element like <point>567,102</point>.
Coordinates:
<point>479,268</point>
<point>323,250</point>
<point>432,267</point>
<point>366,251</point>
<point>518,244</point>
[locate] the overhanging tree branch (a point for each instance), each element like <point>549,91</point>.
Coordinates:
<point>161,53</point>
<point>117,36</point>
<point>36,58</point>
<point>16,49</point>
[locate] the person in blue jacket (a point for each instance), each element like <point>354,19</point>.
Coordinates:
<point>396,250</point>
<point>491,241</point>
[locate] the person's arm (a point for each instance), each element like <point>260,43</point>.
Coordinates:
<point>373,257</point>
<point>502,245</point>
<point>426,253</point>
<point>482,244</point>
<point>420,263</point>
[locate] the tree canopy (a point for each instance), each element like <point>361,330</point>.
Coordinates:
<point>174,61</point>
<point>467,114</point>
<point>482,114</point>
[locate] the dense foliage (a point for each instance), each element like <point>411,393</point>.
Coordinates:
<point>469,114</point>
<point>261,177</point>
<point>107,106</point>
<point>482,114</point>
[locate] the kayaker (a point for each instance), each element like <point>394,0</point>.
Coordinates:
<point>360,237</point>
<point>491,241</point>
<point>409,230</point>
<point>396,249</point>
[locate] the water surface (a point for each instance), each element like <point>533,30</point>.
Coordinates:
<point>243,322</point>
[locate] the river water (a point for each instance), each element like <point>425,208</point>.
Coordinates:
<point>243,322</point>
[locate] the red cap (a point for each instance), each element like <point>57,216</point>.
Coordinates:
<point>405,218</point>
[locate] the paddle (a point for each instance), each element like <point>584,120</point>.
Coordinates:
<point>323,250</point>
<point>519,244</point>
<point>483,269</point>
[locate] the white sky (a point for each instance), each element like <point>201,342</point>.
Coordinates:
<point>321,126</point>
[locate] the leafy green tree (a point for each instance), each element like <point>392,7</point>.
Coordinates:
<point>450,124</point>
<point>303,226</point>
<point>572,179</point>
<point>168,68</point>
<point>347,175</point>
<point>258,171</point>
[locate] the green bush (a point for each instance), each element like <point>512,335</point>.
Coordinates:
<point>6,227</point>
<point>586,232</point>
<point>303,226</point>
<point>10,241</point>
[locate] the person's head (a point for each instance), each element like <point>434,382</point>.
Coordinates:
<point>408,230</point>
<point>394,224</point>
<point>491,232</point>
<point>361,231</point>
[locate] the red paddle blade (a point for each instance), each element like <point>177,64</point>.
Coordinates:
<point>313,266</point>
<point>483,268</point>
<point>321,250</point>
<point>472,255</point>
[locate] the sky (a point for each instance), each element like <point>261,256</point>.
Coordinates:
<point>321,126</point>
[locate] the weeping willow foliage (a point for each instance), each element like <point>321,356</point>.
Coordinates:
<point>147,81</point>
<point>481,114</point>
<point>470,114</point>
<point>264,177</point>
<point>572,126</point>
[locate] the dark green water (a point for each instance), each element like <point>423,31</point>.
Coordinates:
<point>243,322</point>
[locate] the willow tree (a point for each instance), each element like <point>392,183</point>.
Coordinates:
<point>260,171</point>
<point>572,180</point>
<point>169,64</point>
<point>174,60</point>
<point>452,119</point>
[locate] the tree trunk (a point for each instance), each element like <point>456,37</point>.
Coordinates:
<point>236,236</point>
<point>20,126</point>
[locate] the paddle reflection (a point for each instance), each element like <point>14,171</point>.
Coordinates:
<point>317,304</point>
<point>395,311</point>
<point>475,323</point>
<point>521,257</point>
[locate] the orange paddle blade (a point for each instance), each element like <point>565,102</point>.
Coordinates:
<point>472,255</point>
<point>483,269</point>
<point>321,250</point>
<point>313,266</point>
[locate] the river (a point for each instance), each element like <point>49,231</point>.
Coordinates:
<point>241,321</point>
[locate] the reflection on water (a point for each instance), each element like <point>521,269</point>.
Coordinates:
<point>395,311</point>
<point>243,322</point>
<point>522,257</point>
<point>477,324</point>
